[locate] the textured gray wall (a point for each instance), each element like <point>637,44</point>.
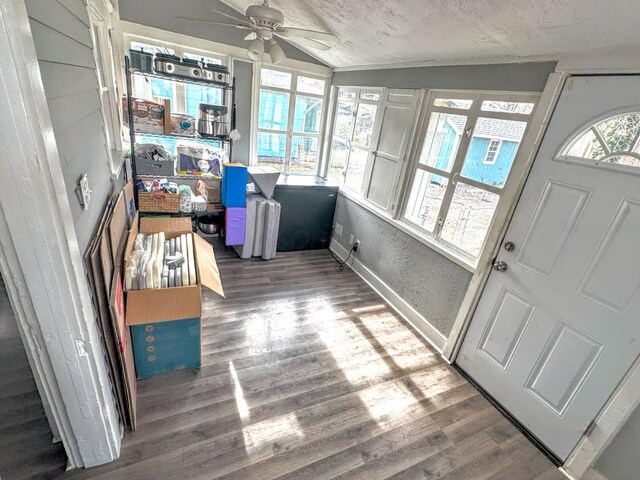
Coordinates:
<point>519,77</point>
<point>162,13</point>
<point>621,459</point>
<point>243,72</point>
<point>428,281</point>
<point>65,55</point>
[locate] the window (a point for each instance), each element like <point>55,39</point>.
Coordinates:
<point>99,17</point>
<point>289,120</point>
<point>353,130</point>
<point>492,152</point>
<point>468,146</point>
<point>613,142</point>
<point>184,98</point>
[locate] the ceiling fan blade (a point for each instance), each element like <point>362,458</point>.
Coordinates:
<point>240,18</point>
<point>311,34</point>
<point>251,36</point>
<point>307,42</point>
<point>218,22</point>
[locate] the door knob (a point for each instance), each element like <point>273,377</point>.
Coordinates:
<point>500,266</point>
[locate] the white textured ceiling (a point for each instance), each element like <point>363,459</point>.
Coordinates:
<point>375,32</point>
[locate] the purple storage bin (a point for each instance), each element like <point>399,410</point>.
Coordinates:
<point>235,218</point>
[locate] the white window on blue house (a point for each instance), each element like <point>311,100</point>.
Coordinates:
<point>492,152</point>
<point>469,143</point>
<point>289,120</point>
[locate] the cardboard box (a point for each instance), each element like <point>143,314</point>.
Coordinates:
<point>166,346</point>
<point>148,117</point>
<point>149,308</point>
<point>210,190</point>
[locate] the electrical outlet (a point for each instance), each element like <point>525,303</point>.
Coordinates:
<point>84,193</point>
<point>356,245</point>
<point>351,239</point>
<point>338,229</point>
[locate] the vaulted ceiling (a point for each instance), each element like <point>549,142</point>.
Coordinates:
<point>376,32</point>
<point>396,31</point>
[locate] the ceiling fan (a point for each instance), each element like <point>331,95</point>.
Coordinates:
<point>265,23</point>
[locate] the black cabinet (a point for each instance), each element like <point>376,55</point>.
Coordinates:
<point>306,218</point>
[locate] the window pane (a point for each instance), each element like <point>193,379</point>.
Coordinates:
<point>453,103</point>
<point>505,135</point>
<point>355,169</point>
<point>425,199</point>
<point>274,110</point>
<point>304,153</point>
<point>442,140</point>
<point>339,153</point>
<point>202,58</point>
<point>310,85</point>
<point>346,94</point>
<point>306,117</point>
<point>370,96</point>
<point>274,78</point>
<point>627,160</point>
<point>508,107</point>
<point>618,132</point>
<point>151,48</point>
<point>364,124</point>
<point>469,217</point>
<point>587,146</point>
<point>271,149</point>
<point>196,94</point>
<point>344,119</point>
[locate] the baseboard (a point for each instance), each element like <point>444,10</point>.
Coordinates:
<point>406,311</point>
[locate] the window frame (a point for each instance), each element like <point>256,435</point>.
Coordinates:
<point>100,12</point>
<point>454,177</point>
<point>357,101</point>
<point>290,133</point>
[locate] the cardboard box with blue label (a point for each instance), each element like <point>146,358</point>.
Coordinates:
<point>165,322</point>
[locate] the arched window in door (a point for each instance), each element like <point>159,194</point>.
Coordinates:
<point>614,141</point>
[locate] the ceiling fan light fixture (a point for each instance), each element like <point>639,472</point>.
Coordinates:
<point>276,53</point>
<point>256,50</point>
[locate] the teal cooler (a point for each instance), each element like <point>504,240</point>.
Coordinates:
<point>166,346</point>
<point>233,186</point>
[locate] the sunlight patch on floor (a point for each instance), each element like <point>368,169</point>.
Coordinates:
<point>279,429</point>
<point>241,403</point>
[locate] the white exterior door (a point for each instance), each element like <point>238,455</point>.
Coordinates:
<point>554,333</point>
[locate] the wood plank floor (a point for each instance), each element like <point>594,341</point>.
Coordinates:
<point>26,450</point>
<point>308,374</point>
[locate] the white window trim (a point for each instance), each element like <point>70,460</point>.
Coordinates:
<point>290,132</point>
<point>357,101</point>
<point>473,114</point>
<point>405,182</point>
<point>486,160</point>
<point>100,16</point>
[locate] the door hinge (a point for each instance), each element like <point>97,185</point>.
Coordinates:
<point>590,428</point>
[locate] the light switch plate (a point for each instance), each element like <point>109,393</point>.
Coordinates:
<point>84,193</point>
<point>338,229</point>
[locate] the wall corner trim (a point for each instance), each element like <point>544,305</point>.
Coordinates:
<point>406,311</point>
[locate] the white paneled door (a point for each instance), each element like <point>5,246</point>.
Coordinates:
<point>558,324</point>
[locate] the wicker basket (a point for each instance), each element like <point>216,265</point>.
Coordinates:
<point>158,202</point>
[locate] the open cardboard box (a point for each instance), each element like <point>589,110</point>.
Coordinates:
<point>174,303</point>
<point>180,305</point>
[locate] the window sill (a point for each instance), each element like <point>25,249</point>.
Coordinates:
<point>118,158</point>
<point>415,234</point>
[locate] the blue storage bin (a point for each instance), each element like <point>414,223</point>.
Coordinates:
<point>234,185</point>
